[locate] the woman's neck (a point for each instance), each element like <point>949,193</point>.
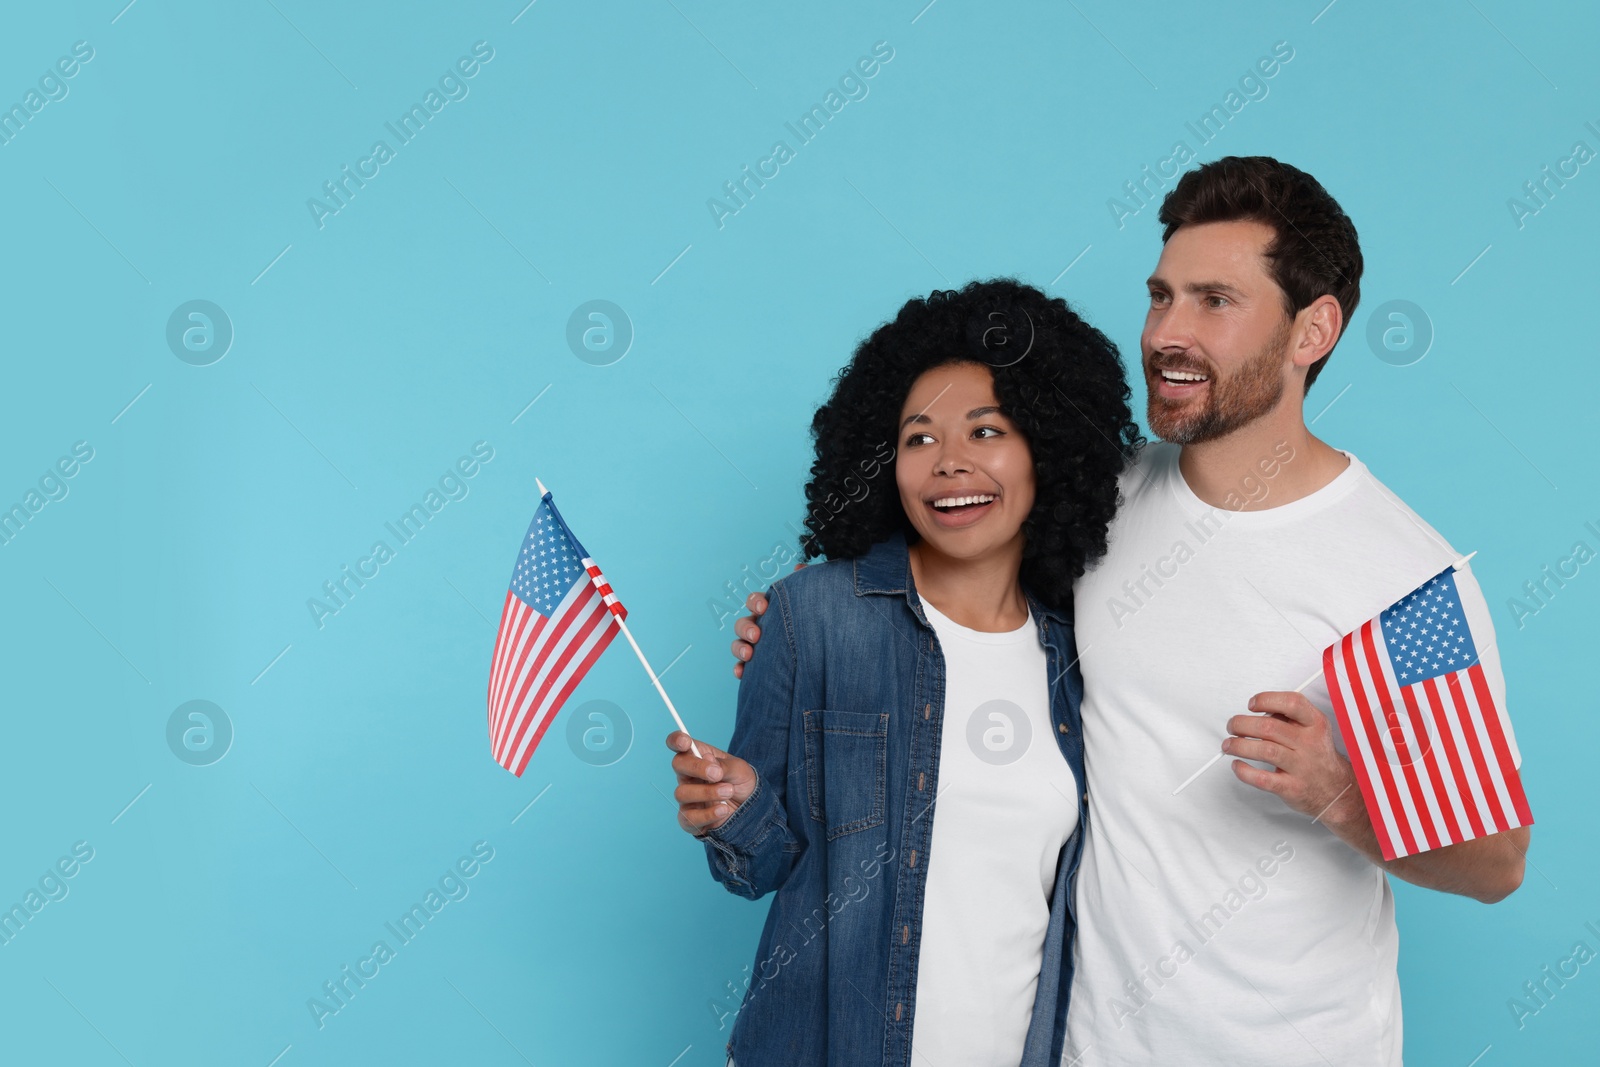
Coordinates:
<point>980,594</point>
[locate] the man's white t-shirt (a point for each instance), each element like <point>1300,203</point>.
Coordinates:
<point>1218,925</point>
<point>1006,804</point>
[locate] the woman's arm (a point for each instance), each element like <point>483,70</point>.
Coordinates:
<point>751,850</point>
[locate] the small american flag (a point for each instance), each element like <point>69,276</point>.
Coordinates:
<point>1428,745</point>
<point>556,621</point>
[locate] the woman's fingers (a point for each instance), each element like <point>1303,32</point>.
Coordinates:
<point>698,819</point>
<point>707,765</point>
<point>710,786</point>
<point>693,792</point>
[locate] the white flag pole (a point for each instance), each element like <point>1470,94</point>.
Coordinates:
<point>1301,688</point>
<point>657,682</point>
<point>640,653</point>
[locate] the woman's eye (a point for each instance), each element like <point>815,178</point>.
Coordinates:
<point>995,430</point>
<point>916,439</point>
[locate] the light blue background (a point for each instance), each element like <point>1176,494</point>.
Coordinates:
<point>426,315</point>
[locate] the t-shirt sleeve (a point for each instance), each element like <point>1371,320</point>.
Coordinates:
<point>1476,609</point>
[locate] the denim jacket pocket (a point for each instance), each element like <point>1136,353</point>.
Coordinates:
<point>846,764</point>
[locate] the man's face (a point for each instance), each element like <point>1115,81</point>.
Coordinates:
<point>1216,338</point>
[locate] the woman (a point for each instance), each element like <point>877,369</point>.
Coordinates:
<point>906,765</point>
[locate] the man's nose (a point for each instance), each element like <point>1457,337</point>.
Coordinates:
<point>1171,327</point>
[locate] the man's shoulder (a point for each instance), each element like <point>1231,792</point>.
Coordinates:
<point>1382,509</point>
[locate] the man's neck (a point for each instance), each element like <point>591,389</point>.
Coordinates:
<point>1270,462</point>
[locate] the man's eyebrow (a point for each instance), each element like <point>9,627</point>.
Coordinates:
<point>976,413</point>
<point>1157,282</point>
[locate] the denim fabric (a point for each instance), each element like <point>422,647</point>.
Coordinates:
<point>840,712</point>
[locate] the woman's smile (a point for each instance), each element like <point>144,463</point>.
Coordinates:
<point>957,508</point>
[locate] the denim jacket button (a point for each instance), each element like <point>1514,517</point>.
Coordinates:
<point>1062,728</point>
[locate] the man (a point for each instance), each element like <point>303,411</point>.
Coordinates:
<point>1241,914</point>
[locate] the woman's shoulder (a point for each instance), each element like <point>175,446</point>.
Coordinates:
<point>819,580</point>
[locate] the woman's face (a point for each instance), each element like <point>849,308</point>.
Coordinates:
<point>964,470</point>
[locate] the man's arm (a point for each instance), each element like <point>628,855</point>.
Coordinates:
<point>1315,780</point>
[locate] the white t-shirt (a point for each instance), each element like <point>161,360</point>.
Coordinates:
<point>1006,804</point>
<point>1218,925</point>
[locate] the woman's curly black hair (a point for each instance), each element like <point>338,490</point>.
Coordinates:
<point>1060,380</point>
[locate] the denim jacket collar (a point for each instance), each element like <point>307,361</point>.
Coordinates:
<point>886,568</point>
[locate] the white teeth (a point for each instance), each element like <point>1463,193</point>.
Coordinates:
<point>957,501</point>
<point>1182,376</point>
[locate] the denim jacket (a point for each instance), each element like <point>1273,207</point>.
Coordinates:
<point>840,712</point>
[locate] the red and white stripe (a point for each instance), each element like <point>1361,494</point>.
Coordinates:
<point>1431,758</point>
<point>604,587</point>
<point>538,662</point>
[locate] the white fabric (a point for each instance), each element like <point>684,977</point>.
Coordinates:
<point>1217,925</point>
<point>998,828</point>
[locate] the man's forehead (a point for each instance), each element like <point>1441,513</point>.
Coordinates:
<point>1233,251</point>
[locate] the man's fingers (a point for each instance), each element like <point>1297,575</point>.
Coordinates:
<point>1290,705</point>
<point>1271,781</point>
<point>1261,751</point>
<point>757,603</point>
<point>1266,727</point>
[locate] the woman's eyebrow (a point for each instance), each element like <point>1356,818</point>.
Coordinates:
<point>975,413</point>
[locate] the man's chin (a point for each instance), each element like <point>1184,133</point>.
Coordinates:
<point>1175,423</point>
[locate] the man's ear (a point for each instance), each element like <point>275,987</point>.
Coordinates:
<point>1318,326</point>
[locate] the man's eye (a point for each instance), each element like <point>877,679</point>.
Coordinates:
<point>1158,298</point>
<point>1216,301</point>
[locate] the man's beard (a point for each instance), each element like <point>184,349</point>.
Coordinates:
<point>1237,400</point>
